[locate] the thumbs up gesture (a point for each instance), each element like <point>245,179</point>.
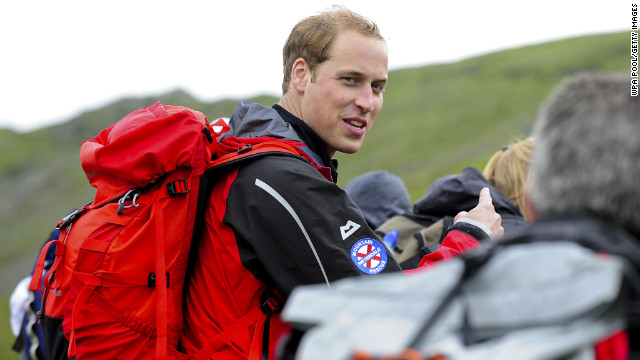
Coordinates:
<point>485,213</point>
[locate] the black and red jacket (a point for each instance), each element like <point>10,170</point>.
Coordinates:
<point>275,222</point>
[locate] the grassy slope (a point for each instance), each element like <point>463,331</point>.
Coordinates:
<point>436,120</point>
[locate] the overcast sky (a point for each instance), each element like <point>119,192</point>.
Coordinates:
<point>59,58</point>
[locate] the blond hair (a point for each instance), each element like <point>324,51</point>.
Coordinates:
<point>508,169</point>
<point>312,38</point>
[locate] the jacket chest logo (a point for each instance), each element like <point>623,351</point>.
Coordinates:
<point>348,229</point>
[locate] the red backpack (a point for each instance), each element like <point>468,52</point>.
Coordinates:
<point>116,286</point>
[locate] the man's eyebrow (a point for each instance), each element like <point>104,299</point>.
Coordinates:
<point>359,74</point>
<point>352,73</point>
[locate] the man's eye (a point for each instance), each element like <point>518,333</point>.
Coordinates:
<point>349,79</point>
<point>377,87</point>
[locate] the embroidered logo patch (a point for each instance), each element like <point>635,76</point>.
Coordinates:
<point>369,256</point>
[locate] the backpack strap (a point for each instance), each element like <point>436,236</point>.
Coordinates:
<point>227,335</point>
<point>251,150</point>
<point>222,162</point>
<point>36,279</point>
<point>472,261</point>
<point>271,300</point>
<point>161,287</point>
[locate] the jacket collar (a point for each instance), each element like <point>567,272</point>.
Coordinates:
<point>255,120</point>
<point>309,137</point>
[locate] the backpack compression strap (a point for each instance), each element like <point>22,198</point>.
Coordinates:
<point>270,301</point>
<point>250,150</point>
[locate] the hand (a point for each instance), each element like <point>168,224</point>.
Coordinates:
<point>485,213</point>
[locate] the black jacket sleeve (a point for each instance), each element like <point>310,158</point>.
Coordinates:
<point>295,227</point>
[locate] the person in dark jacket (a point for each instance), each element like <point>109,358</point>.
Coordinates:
<point>451,194</point>
<point>281,221</point>
<point>380,195</point>
<point>421,230</point>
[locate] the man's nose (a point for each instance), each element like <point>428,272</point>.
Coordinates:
<point>365,100</point>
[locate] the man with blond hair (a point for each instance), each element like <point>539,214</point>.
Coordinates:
<point>281,221</point>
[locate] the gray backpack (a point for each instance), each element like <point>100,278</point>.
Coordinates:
<point>539,300</point>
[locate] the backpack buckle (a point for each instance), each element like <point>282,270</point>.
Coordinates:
<point>270,302</point>
<point>151,280</point>
<point>244,148</point>
<point>131,195</point>
<point>71,218</point>
<point>178,187</point>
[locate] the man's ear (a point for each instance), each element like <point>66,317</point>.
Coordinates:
<point>300,75</point>
<point>528,204</point>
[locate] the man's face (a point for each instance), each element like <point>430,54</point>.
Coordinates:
<point>343,100</point>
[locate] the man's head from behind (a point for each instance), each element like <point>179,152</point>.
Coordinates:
<point>587,156</point>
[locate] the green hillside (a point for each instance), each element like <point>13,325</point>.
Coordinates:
<point>436,120</point>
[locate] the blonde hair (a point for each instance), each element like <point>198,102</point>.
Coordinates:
<point>508,169</point>
<point>312,38</point>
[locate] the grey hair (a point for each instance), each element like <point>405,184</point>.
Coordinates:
<point>587,156</point>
